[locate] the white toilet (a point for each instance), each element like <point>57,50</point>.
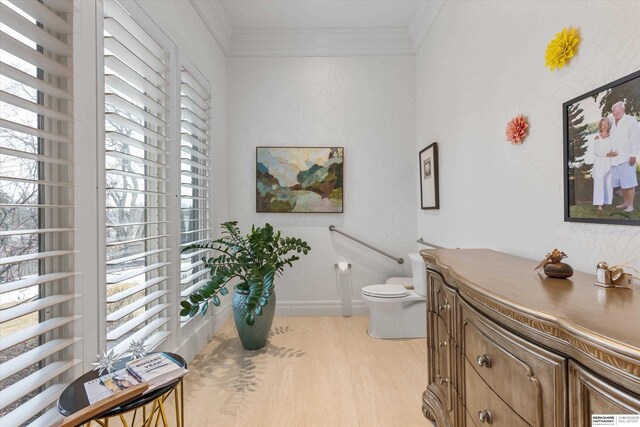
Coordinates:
<point>396,310</point>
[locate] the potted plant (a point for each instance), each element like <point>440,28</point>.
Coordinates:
<point>254,259</point>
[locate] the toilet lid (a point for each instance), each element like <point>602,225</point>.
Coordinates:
<point>385,291</point>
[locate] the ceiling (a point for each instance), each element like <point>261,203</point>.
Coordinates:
<point>314,14</point>
<point>318,27</point>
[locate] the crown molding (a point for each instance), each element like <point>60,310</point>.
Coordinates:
<point>318,42</point>
<point>423,20</point>
<point>216,21</point>
<point>322,42</point>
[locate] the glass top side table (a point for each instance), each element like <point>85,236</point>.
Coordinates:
<point>74,398</point>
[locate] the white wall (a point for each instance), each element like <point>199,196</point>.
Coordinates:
<point>366,105</point>
<point>483,63</point>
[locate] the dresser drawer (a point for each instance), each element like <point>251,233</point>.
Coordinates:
<point>529,378</point>
<point>589,394</point>
<point>468,419</point>
<point>442,299</point>
<point>484,406</point>
<point>443,371</point>
<point>443,346</point>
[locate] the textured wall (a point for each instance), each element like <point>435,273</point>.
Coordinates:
<point>481,64</point>
<point>366,105</point>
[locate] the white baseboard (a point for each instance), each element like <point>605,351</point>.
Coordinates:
<point>332,308</point>
<point>202,332</point>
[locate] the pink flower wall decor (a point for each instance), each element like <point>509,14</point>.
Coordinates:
<point>517,129</point>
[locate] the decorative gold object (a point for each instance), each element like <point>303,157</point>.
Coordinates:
<point>553,267</point>
<point>603,275</point>
<point>612,277</point>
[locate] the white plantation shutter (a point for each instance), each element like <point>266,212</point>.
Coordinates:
<point>195,173</point>
<point>36,210</point>
<point>136,67</point>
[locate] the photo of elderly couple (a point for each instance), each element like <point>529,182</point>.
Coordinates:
<point>603,148</point>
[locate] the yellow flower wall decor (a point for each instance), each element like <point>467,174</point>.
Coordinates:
<point>562,48</point>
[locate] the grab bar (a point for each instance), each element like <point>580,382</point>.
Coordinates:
<point>398,260</point>
<point>422,242</point>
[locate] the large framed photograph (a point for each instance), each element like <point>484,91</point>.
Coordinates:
<point>601,154</point>
<point>429,193</point>
<point>299,179</point>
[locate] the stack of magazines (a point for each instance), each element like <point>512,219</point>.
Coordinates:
<point>157,369</point>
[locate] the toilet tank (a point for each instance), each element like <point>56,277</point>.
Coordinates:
<point>419,269</point>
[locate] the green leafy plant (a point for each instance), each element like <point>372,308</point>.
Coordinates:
<point>255,259</point>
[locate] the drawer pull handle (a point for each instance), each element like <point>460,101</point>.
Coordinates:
<point>485,416</point>
<point>442,343</point>
<point>443,307</point>
<point>484,361</point>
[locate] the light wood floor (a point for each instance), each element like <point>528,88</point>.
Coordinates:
<point>322,371</point>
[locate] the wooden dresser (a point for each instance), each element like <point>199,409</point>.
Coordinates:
<point>509,347</point>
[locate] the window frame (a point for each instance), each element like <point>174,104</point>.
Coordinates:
<point>55,163</point>
<point>188,327</point>
<point>169,46</point>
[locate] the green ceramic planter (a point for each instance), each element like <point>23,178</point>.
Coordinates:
<point>255,336</point>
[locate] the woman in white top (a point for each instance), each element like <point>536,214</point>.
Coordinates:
<point>601,171</point>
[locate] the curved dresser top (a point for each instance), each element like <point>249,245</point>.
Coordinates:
<point>604,323</point>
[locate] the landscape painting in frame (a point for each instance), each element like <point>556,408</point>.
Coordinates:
<point>299,179</point>
<point>602,150</point>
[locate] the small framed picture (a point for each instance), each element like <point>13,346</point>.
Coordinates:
<point>428,159</point>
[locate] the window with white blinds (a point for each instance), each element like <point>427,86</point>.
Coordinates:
<point>195,176</point>
<point>137,251</point>
<point>36,210</point>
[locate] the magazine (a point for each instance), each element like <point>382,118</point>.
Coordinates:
<point>156,369</point>
<point>119,380</point>
<point>96,391</point>
<point>108,385</point>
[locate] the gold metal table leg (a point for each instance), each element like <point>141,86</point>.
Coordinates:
<point>177,407</point>
<point>133,420</point>
<point>164,416</point>
<point>181,402</point>
<point>156,412</point>
<point>149,420</point>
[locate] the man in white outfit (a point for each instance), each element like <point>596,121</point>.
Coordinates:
<point>626,141</point>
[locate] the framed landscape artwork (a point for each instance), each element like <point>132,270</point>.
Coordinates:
<point>601,154</point>
<point>429,196</point>
<point>299,179</point>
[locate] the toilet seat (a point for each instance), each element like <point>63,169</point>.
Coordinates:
<point>385,291</point>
